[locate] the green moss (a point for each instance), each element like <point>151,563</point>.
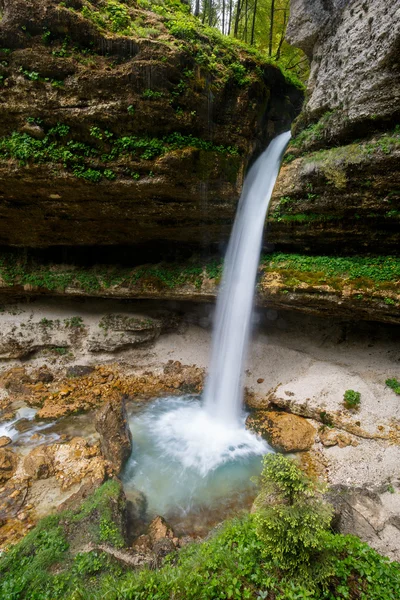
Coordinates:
<point>41,566</point>
<point>379,273</point>
<point>234,562</point>
<point>223,56</point>
<point>90,162</point>
<point>376,269</point>
<point>333,162</point>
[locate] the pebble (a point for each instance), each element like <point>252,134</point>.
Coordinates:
<point>260,380</point>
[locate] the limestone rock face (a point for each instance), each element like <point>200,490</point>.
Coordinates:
<point>340,183</point>
<point>115,434</point>
<point>285,432</point>
<point>354,48</point>
<point>146,195</point>
<point>8,464</point>
<point>372,516</point>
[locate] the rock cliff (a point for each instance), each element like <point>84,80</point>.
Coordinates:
<point>122,126</point>
<point>340,182</point>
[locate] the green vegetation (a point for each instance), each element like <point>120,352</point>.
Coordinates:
<point>42,567</point>
<point>78,157</point>
<point>314,133</point>
<point>293,527</point>
<point>352,399</point>
<point>394,385</point>
<point>371,269</point>
<point>376,273</point>
<point>35,76</point>
<point>285,551</point>
<point>338,157</point>
<point>206,44</point>
<point>73,322</point>
<point>152,94</point>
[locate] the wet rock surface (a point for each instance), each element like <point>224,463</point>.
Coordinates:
<point>143,198</point>
<point>115,434</point>
<point>283,431</point>
<point>372,516</point>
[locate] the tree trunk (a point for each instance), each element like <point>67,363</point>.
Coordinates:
<point>278,52</point>
<point>271,29</point>
<point>254,23</point>
<point>197,8</point>
<point>230,17</point>
<point>246,15</point>
<point>237,19</point>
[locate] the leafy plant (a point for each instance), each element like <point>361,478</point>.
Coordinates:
<point>291,518</point>
<point>394,385</point>
<point>352,399</point>
<point>152,94</point>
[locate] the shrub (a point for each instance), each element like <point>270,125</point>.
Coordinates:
<point>394,385</point>
<point>292,519</point>
<point>352,399</point>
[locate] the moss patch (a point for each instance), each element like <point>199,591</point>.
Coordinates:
<point>46,564</point>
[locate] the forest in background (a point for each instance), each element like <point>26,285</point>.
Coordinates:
<point>260,23</point>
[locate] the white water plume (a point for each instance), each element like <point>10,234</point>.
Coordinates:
<point>190,452</point>
<point>224,387</point>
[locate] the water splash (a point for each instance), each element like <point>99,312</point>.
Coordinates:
<point>224,388</point>
<point>183,459</point>
<point>188,453</point>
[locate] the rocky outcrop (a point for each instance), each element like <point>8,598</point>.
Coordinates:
<point>354,49</point>
<point>162,160</point>
<point>115,434</point>
<point>340,185</point>
<point>285,432</point>
<point>70,463</point>
<point>104,385</point>
<point>347,196</point>
<point>372,516</point>
<point>352,287</point>
<point>8,464</point>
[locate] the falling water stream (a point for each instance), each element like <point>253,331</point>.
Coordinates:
<point>190,452</point>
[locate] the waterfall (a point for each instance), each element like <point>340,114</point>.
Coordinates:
<point>224,387</point>
<point>189,452</point>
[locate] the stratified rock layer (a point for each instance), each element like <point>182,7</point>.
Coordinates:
<point>115,178</point>
<point>340,184</point>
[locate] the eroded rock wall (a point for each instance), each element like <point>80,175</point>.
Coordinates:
<point>354,49</point>
<point>340,181</point>
<point>112,139</point>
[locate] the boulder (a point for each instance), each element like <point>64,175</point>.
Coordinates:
<point>44,376</point>
<point>39,464</point>
<point>284,431</point>
<point>8,464</point>
<point>115,435</point>
<point>4,441</point>
<point>79,371</point>
<point>368,514</point>
<point>333,437</point>
<point>159,530</point>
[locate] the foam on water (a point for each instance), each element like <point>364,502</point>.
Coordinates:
<point>224,386</point>
<point>182,458</point>
<point>8,428</point>
<point>186,452</point>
